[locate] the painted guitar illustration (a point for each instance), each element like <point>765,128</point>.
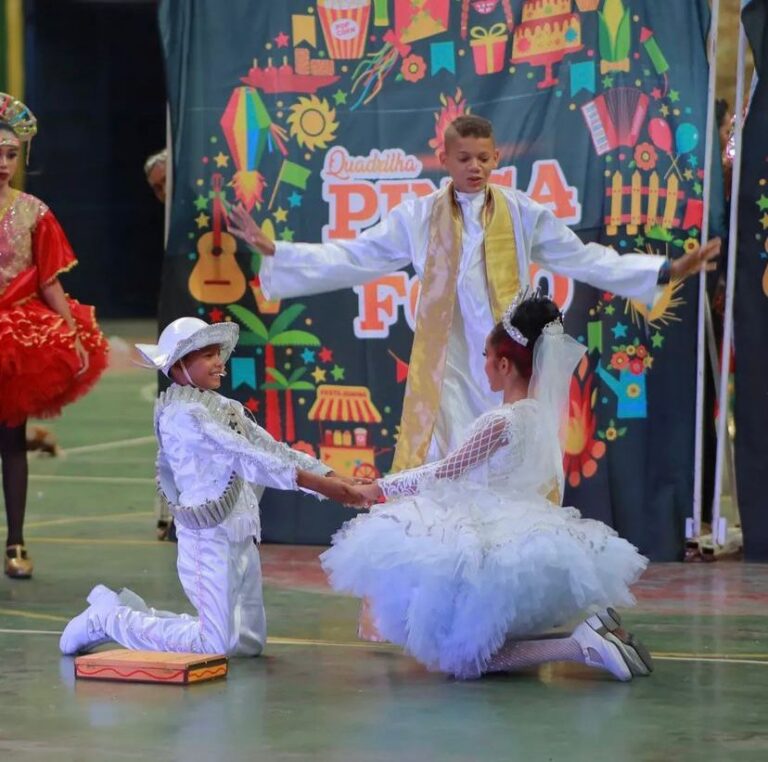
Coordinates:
<point>216,277</point>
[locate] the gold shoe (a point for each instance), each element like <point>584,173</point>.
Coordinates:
<point>18,565</point>
<point>166,532</point>
<point>43,440</point>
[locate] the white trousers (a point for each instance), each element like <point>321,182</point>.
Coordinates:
<point>222,580</point>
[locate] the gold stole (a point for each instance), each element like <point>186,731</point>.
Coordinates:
<point>436,305</point>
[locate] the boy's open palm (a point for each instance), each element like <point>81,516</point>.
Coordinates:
<point>241,224</point>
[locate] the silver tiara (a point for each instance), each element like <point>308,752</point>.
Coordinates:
<point>551,328</point>
<point>506,320</point>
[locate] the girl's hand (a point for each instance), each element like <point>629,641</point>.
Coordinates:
<point>371,493</point>
<point>342,492</point>
<point>352,495</point>
<point>82,355</point>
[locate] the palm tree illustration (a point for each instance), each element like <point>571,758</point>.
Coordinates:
<point>289,385</point>
<point>279,334</point>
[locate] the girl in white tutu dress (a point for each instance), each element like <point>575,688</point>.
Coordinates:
<point>472,556</point>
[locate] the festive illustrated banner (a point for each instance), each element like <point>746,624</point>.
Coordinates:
<point>322,116</point>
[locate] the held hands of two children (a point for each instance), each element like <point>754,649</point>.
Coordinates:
<point>336,489</point>
<point>370,492</point>
<point>357,493</point>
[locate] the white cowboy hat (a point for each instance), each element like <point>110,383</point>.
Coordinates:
<point>185,335</point>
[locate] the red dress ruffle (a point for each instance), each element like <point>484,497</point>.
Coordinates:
<point>39,368</point>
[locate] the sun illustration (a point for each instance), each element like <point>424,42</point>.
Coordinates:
<point>662,312</point>
<point>313,122</point>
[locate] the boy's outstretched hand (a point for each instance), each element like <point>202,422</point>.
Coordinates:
<point>701,258</point>
<point>241,224</point>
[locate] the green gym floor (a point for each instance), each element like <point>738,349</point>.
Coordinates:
<point>317,693</point>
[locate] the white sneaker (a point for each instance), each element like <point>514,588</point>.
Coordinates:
<point>600,652</point>
<point>86,630</point>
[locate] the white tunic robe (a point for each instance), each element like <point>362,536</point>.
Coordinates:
<point>401,239</point>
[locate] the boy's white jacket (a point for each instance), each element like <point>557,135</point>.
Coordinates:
<point>205,438</point>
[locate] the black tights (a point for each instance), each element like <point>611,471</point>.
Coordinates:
<point>13,451</point>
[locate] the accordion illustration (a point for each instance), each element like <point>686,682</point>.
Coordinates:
<point>615,118</point>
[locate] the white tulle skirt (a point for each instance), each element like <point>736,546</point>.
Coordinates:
<point>452,573</point>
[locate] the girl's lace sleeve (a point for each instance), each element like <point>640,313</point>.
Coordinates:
<point>490,432</point>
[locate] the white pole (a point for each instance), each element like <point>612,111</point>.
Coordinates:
<point>168,172</point>
<point>718,528</point>
<point>714,362</point>
<point>695,529</point>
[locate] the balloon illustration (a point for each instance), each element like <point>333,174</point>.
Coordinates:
<point>660,134</point>
<point>686,137</point>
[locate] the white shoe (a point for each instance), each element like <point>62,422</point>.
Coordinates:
<point>607,622</point>
<point>600,652</point>
<point>86,630</point>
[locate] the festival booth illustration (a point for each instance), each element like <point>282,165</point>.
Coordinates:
<point>344,412</point>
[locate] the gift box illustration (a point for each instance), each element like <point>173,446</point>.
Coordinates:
<point>488,48</point>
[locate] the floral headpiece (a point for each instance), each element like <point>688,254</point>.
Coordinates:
<point>20,119</point>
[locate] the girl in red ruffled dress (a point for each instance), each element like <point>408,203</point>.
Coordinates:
<point>51,349</point>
